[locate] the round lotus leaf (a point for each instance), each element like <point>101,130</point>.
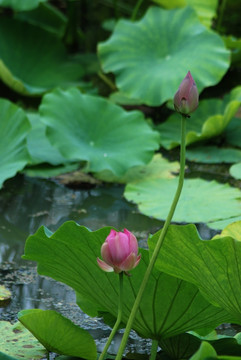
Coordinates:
<point>39,61</point>
<point>92,129</point>
<point>21,5</point>
<point>151,57</point>
<point>18,343</point>
<point>235,171</point>
<point>5,296</point>
<point>14,128</point>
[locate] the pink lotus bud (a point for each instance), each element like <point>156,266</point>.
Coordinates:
<point>119,252</point>
<point>186,98</point>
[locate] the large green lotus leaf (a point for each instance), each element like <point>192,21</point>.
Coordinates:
<point>205,9</point>
<point>5,296</point>
<point>233,230</point>
<point>221,224</point>
<point>21,5</point>
<point>233,132</point>
<point>168,307</point>
<point>14,127</point>
<point>205,352</point>
<point>47,17</point>
<point>90,128</point>
<point>16,342</point>
<point>23,69</point>
<point>47,171</point>
<point>159,167</point>
<point>39,147</point>
<point>184,345</point>
<point>58,334</point>
<point>170,4</point>
<point>214,266</point>
<point>151,57</point>
<point>209,120</point>
<point>213,154</point>
<point>235,46</point>
<point>235,171</point>
<point>200,201</point>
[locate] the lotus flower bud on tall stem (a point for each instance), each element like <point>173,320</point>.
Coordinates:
<point>186,98</point>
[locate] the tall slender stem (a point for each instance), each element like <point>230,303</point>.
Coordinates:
<point>135,11</point>
<point>118,320</point>
<point>154,348</point>
<point>220,16</point>
<point>159,242</point>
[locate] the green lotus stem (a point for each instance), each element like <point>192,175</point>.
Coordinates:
<point>220,17</point>
<point>107,80</point>
<point>154,348</point>
<point>159,242</point>
<point>118,320</point>
<point>135,11</point>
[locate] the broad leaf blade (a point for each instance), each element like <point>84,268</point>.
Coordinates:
<point>213,266</point>
<point>21,67</point>
<point>169,306</point>
<point>200,201</point>
<point>58,334</point>
<point>99,132</point>
<point>150,63</point>
<point>16,342</point>
<point>14,127</point>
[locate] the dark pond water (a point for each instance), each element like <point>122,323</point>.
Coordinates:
<point>25,205</point>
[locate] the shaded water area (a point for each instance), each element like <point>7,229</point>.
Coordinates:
<point>28,203</point>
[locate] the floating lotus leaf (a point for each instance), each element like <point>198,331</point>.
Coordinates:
<point>214,266</point>
<point>151,57</point>
<point>235,171</point>
<point>92,129</point>
<point>209,120</point>
<point>58,334</point>
<point>40,61</point>
<point>21,5</point>
<point>213,154</point>
<point>5,296</point>
<point>205,9</point>
<point>168,307</point>
<point>233,230</point>
<point>17,343</point>
<point>200,201</point>
<point>159,167</point>
<point>14,127</point>
<point>221,224</point>
<point>39,147</point>
<point>45,16</point>
<point>233,132</point>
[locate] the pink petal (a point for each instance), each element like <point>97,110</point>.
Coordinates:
<point>104,266</point>
<point>119,248</point>
<point>105,253</point>
<point>133,244</point>
<point>128,263</point>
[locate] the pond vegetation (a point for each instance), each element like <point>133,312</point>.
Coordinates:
<point>88,91</point>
